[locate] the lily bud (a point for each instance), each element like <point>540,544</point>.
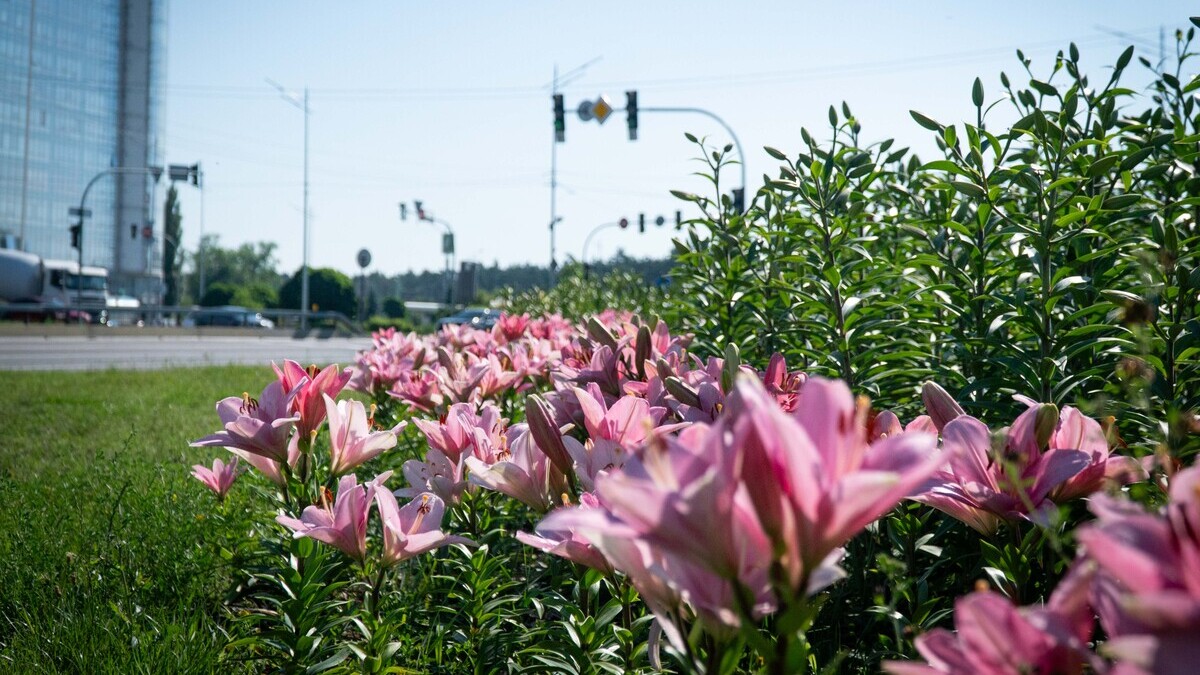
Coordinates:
<point>641,351</point>
<point>546,434</point>
<point>599,333</point>
<point>1045,424</point>
<point>940,405</point>
<point>681,391</point>
<point>733,361</point>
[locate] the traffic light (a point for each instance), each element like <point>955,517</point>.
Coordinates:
<point>420,210</point>
<point>631,111</point>
<point>641,223</point>
<point>679,220</point>
<point>560,120</point>
<point>403,211</point>
<point>739,200</point>
<point>195,174</point>
<point>76,234</point>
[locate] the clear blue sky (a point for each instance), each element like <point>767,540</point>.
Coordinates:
<point>448,102</point>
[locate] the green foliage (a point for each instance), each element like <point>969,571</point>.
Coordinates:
<point>577,296</point>
<point>328,290</point>
<point>244,266</point>
<point>1055,258</point>
<point>393,307</point>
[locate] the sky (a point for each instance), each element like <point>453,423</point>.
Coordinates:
<point>450,103</point>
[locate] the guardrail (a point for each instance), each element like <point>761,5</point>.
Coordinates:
<point>167,316</point>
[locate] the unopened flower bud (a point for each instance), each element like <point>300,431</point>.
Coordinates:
<point>1045,424</point>
<point>940,405</point>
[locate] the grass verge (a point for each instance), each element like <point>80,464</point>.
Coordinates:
<point>104,562</point>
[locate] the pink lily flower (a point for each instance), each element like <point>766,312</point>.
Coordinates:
<point>782,385</point>
<point>342,525</point>
<point>517,468</point>
<point>1076,431</point>
<point>996,638</point>
<point>351,441</point>
<point>414,529</point>
<point>1150,568</point>
<point>562,539</point>
<point>815,481</point>
<point>219,478</point>
<point>1031,469</point>
<point>437,474</point>
<point>456,433</point>
<point>260,427</point>
<point>269,468</point>
<point>511,327</point>
<point>627,421</point>
<point>420,389</point>
<point>310,385</point>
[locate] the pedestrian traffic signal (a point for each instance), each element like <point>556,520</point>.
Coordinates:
<point>631,112</point>
<point>560,120</point>
<point>76,234</point>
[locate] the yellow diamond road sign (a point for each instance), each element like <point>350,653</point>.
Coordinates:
<point>602,109</point>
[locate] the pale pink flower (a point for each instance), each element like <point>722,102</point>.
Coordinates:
<point>437,474</point>
<point>352,442</point>
<point>420,389</point>
<point>343,524</point>
<point>414,529</point>
<point>219,478</point>
<point>260,427</point>
<point>455,433</point>
<point>559,537</point>
<point>517,468</point>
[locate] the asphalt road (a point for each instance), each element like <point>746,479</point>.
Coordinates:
<point>152,352</point>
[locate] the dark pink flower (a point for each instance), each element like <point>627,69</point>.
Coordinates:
<point>343,524</point>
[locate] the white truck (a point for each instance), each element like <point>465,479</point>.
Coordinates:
<point>28,278</point>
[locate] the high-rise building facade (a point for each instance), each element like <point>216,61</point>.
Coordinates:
<point>80,104</point>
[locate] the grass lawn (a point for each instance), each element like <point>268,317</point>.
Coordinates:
<point>104,566</point>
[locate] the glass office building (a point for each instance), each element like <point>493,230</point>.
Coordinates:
<point>80,97</point>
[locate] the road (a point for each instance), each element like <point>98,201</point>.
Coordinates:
<point>152,352</point>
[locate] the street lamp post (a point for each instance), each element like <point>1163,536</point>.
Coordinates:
<point>707,113</point>
<point>588,241</point>
<point>302,104</point>
<point>81,212</point>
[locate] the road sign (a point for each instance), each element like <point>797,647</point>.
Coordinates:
<point>447,243</point>
<point>364,258</point>
<point>601,109</point>
<point>75,211</point>
<point>585,111</point>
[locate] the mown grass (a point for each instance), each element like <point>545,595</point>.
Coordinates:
<point>104,566</point>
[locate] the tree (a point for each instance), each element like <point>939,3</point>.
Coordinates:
<point>328,290</point>
<point>249,268</point>
<point>172,251</point>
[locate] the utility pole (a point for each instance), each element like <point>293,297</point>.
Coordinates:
<point>302,104</point>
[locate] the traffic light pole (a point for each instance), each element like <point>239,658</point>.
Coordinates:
<point>718,120</point>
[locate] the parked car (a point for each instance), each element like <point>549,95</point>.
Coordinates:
<point>477,317</point>
<point>228,316</point>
